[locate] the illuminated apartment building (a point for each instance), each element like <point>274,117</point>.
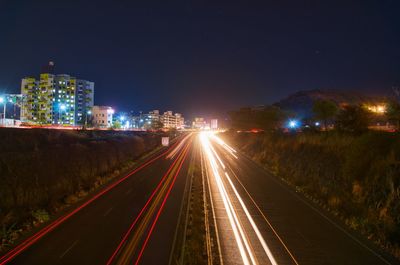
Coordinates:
<point>56,99</point>
<point>170,120</point>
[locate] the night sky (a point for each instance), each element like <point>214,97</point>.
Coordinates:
<point>200,57</point>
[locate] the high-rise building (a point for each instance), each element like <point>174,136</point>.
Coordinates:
<point>84,99</point>
<point>29,106</point>
<point>56,99</point>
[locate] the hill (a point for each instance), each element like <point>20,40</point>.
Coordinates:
<point>301,102</point>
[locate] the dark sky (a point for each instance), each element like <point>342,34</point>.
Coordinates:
<point>201,57</point>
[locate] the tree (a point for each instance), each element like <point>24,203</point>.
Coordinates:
<point>268,118</point>
<point>116,125</point>
<point>154,125</point>
<point>393,113</point>
<point>324,110</point>
<point>157,125</point>
<point>353,119</point>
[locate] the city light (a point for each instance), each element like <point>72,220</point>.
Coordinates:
<point>293,124</point>
<point>63,107</point>
<point>122,118</point>
<point>89,112</point>
<point>110,111</point>
<point>378,109</point>
<point>1,99</point>
<point>317,123</point>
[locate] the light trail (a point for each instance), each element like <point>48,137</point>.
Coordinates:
<point>223,144</point>
<point>125,237</point>
<point>217,156</point>
<point>253,224</point>
<point>243,244</point>
<point>33,239</point>
<point>184,154</point>
<point>225,198</point>
<point>178,147</point>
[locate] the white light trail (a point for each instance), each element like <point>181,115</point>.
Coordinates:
<point>225,198</point>
<point>253,224</point>
<point>219,159</point>
<point>224,145</point>
<point>246,251</point>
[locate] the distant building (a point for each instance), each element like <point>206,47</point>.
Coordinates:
<point>199,123</point>
<point>148,120</point>
<point>170,120</point>
<point>144,121</point>
<point>84,99</point>
<point>56,99</point>
<point>102,116</point>
<point>214,124</point>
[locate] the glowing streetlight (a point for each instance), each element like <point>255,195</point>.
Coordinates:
<point>89,112</point>
<point>61,108</point>
<point>293,124</point>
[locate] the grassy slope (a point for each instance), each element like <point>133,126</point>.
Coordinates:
<point>357,177</point>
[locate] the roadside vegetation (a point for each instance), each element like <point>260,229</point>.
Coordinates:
<point>45,171</point>
<point>352,171</point>
<point>190,244</point>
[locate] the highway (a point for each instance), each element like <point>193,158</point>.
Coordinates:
<point>260,220</point>
<point>122,224</point>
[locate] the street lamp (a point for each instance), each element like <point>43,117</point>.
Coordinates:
<point>293,124</point>
<point>4,102</point>
<point>62,107</point>
<point>87,113</point>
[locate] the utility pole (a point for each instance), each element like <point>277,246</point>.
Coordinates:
<point>4,112</point>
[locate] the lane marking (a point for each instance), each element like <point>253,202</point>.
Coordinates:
<point>107,212</point>
<point>125,237</point>
<point>132,243</point>
<point>185,152</point>
<point>68,249</point>
<point>161,185</point>
<point>213,209</point>
<point>253,224</point>
<point>237,231</point>
<point>265,218</point>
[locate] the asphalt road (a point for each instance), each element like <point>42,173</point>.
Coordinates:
<point>259,219</point>
<point>93,234</point>
<point>294,230</point>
